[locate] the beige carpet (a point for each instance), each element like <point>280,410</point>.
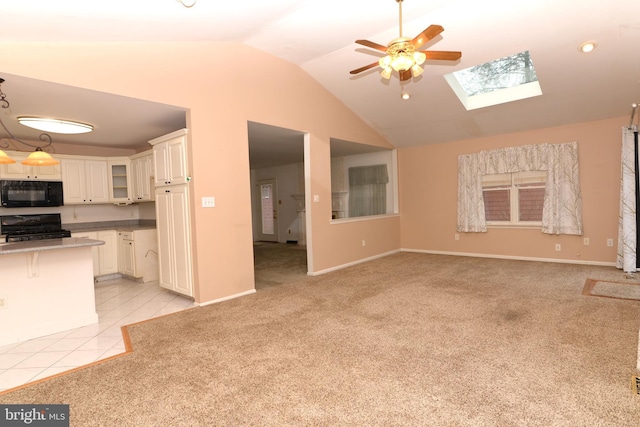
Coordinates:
<point>409,339</point>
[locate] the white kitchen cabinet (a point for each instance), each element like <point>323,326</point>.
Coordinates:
<point>174,239</point>
<point>119,180</point>
<point>125,253</point>
<point>105,257</point>
<point>108,252</point>
<point>138,254</point>
<point>84,181</point>
<point>170,158</point>
<point>19,171</point>
<point>142,174</point>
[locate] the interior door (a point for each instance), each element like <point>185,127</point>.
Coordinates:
<point>268,210</point>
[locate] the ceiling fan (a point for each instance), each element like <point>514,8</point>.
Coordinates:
<point>403,55</point>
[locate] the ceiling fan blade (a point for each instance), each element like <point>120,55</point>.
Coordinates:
<point>365,68</point>
<point>372,45</point>
<point>405,75</point>
<point>445,55</point>
<point>426,35</point>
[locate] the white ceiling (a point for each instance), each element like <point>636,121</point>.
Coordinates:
<point>319,35</point>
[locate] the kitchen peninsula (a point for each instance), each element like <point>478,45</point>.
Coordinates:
<point>47,287</point>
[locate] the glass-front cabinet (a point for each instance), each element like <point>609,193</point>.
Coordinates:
<point>120,180</point>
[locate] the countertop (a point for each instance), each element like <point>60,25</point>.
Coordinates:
<point>47,245</point>
<point>110,225</point>
<point>119,228</point>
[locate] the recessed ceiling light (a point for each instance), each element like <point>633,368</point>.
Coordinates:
<point>587,47</point>
<point>405,95</point>
<point>55,125</point>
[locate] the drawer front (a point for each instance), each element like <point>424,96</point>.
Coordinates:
<point>126,235</point>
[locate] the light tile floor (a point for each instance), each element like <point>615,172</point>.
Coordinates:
<point>119,302</point>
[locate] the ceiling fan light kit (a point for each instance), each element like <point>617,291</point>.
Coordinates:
<point>402,54</point>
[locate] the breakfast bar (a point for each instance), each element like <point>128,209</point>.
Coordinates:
<point>46,287</point>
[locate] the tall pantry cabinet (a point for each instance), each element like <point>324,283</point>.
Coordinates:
<point>173,220</point>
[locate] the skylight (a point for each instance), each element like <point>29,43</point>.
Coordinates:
<point>506,79</point>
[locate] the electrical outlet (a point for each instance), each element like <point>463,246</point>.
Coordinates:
<point>558,247</point>
<point>586,241</point>
<point>610,242</point>
<point>3,303</point>
<point>456,236</point>
<point>208,202</point>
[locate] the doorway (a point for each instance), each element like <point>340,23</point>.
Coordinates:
<point>276,161</point>
<point>267,189</point>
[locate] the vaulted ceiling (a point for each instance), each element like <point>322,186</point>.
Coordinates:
<point>319,36</point>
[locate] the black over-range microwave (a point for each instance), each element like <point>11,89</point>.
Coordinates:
<point>27,194</point>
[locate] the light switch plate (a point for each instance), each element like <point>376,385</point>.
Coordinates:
<point>208,202</point>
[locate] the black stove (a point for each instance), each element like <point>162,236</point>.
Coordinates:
<point>19,228</point>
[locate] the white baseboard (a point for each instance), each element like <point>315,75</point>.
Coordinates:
<point>518,258</point>
<point>466,254</point>
<point>113,276</point>
<point>227,298</point>
<point>349,264</point>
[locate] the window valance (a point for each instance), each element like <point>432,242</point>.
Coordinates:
<point>366,175</point>
<point>562,209</point>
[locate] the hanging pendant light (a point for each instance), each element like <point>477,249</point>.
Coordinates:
<point>40,158</point>
<point>5,159</point>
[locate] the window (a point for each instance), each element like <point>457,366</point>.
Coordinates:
<point>514,198</point>
<point>368,190</point>
<point>363,180</point>
<point>506,79</point>
<point>562,205</point>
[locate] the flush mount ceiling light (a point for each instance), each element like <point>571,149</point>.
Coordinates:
<point>587,47</point>
<point>403,55</point>
<point>55,125</point>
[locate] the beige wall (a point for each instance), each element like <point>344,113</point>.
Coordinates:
<point>428,196</point>
<point>268,90</point>
<point>221,100</point>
